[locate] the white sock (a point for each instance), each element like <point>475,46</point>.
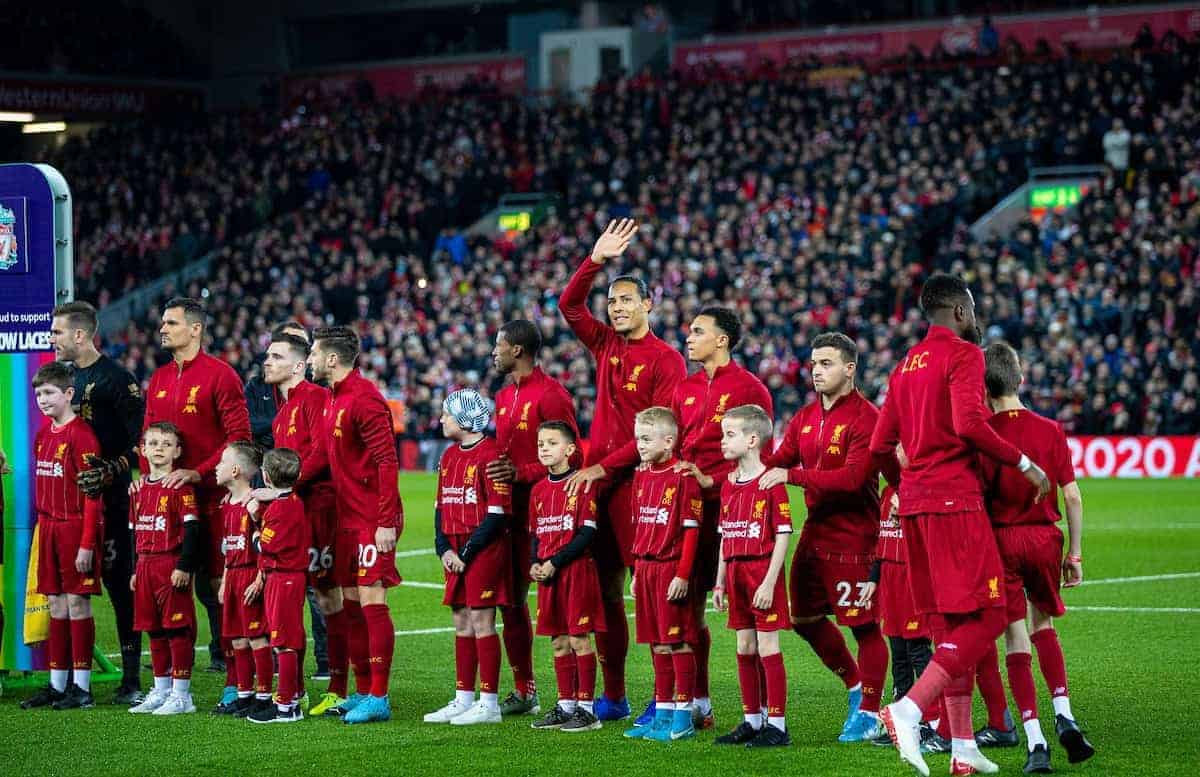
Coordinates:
<point>855,687</point>
<point>568,705</point>
<point>492,700</point>
<point>963,747</point>
<point>682,706</point>
<point>703,704</point>
<point>465,698</point>
<point>874,715</point>
<point>58,679</point>
<point>83,678</point>
<point>162,683</point>
<point>906,711</point>
<point>778,721</point>
<point>1062,706</point>
<point>263,696</point>
<point>282,707</point>
<point>587,706</point>
<point>245,694</point>
<point>181,687</point>
<point>755,720</point>
<point>1033,734</point>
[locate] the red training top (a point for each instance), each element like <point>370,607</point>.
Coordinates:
<point>297,425</point>
<point>520,407</point>
<point>699,404</point>
<point>631,375</point>
<point>1010,496</point>
<point>157,515</point>
<point>284,538</point>
<point>361,452</point>
<point>935,407</point>
<point>204,398</point>
<point>465,494</point>
<point>751,517</point>
<point>58,454</point>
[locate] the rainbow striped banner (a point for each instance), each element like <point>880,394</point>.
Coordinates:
<point>19,421</point>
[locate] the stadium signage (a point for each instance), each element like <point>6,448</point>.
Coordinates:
<point>1086,29</point>
<point>1135,457</point>
<point>408,79</point>
<point>95,99</point>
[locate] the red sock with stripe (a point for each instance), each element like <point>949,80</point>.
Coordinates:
<point>1051,661</point>
<point>83,640</point>
<point>585,682</point>
<point>488,650</point>
<point>1020,680</point>
<point>776,688</point>
<point>748,672</point>
<point>60,650</point>
<point>466,663</point>
<point>566,673</point>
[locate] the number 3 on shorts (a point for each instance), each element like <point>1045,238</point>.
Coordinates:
<point>367,555</point>
<point>844,588</point>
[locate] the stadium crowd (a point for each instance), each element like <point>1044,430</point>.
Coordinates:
<point>805,208</point>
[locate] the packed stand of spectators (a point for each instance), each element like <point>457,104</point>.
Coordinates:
<point>84,37</point>
<point>803,209</point>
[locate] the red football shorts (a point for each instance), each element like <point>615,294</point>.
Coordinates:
<point>487,580</point>
<point>238,619</point>
<point>897,615</point>
<point>320,508</point>
<point>570,603</point>
<point>953,563</point>
<point>659,620</point>
<point>743,576</point>
<point>158,605</point>
<point>708,548</point>
<point>825,585</point>
<point>613,547</point>
<point>1032,558</point>
<point>58,542</point>
<point>358,562</point>
<point>212,531</point>
<point>283,601</point>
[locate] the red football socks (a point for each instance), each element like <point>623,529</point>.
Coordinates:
<point>991,687</point>
<point>182,654</point>
<point>160,656</point>
<point>338,652</point>
<point>958,707</point>
<point>585,672</point>
<point>466,662</point>
<point>381,636</point>
<point>830,646</point>
<point>664,678</point>
<point>613,646</point>
<point>1050,659</point>
<point>264,668</point>
<point>289,674</point>
<point>60,644</point>
<point>929,686</point>
<point>230,666</point>
<point>243,659</point>
<point>686,672</point>
<point>776,684</point>
<point>518,645</point>
<point>83,639</point>
<point>565,672</point>
<point>701,651</point>
<point>872,664</point>
<point>1020,680</point>
<point>748,671</point>
<point>358,645</point>
<point>488,650</point>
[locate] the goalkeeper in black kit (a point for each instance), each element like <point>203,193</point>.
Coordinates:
<point>108,397</point>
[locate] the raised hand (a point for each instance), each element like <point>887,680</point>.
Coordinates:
<point>614,240</point>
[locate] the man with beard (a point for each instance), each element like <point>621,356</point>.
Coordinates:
<point>108,397</point>
<point>528,399</point>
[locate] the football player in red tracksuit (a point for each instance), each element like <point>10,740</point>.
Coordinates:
<point>471,536</point>
<point>935,408</point>
<point>826,450</point>
<point>667,514</point>
<point>1031,547</point>
<point>297,425</point>
<point>169,545</point>
<point>634,370</point>
<point>756,524</point>
<point>202,396</point>
<point>360,451</point>
<point>283,542</point>
<point>240,594</point>
<point>70,526</point>
<point>525,401</point>
<point>562,526</point>
<point>699,404</point>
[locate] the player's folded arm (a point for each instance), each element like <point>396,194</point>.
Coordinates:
<point>189,556</point>
<point>575,548</point>
<point>440,543</point>
<point>485,533</point>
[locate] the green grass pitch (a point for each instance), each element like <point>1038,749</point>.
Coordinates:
<point>1132,648</point>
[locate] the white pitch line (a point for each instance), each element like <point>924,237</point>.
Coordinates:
<point>1141,578</point>
<point>1073,608</point>
<point>414,553</point>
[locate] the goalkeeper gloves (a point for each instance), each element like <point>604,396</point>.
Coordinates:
<point>100,474</point>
